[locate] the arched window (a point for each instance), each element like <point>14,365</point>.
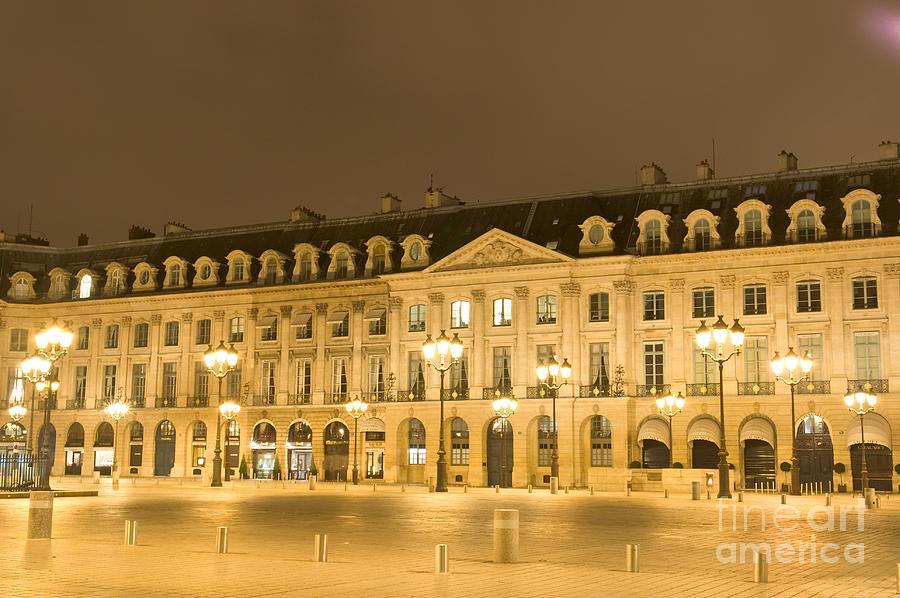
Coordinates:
<point>21,291</point>
<point>340,265</point>
<point>75,435</point>
<point>601,442</point>
<point>416,442</point>
<point>84,287</point>
<point>702,239</point>
<point>545,441</point>
<point>104,436</point>
<point>237,272</point>
<point>199,431</point>
<point>459,442</point>
<point>264,434</point>
<point>653,238</point>
<point>137,432</point>
<point>166,429</point>
<point>306,267</point>
<point>861,217</point>
<point>596,234</point>
<point>175,275</point>
<point>271,274</point>
<point>378,260</point>
<point>115,285</point>
<point>806,226</point>
<point>753,233</point>
<point>300,433</point>
<point>12,432</point>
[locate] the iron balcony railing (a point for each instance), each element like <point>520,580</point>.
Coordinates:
<point>43,402</point>
<point>489,393</point>
<point>263,401</point>
<point>162,402</point>
<point>337,398</point>
<point>299,399</point>
<point>595,390</point>
<point>703,389</point>
<point>756,388</point>
<point>652,390</point>
<point>870,386</point>
<point>198,402</point>
<point>413,394</point>
<point>540,392</point>
<point>456,394</point>
<point>19,472</point>
<point>814,387</point>
<point>139,402</point>
<point>75,403</point>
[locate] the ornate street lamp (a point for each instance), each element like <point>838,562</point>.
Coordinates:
<point>670,406</point>
<point>220,362</point>
<point>504,408</point>
<point>448,353</point>
<point>229,410</point>
<point>17,412</point>
<point>720,334</point>
<point>356,408</point>
<point>861,403</point>
<point>790,363</point>
<point>549,374</point>
<point>116,411</point>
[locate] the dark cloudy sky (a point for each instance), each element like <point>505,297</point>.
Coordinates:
<point>217,113</point>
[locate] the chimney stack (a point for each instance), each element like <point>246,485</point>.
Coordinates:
<point>390,203</point>
<point>82,240</point>
<point>888,150</point>
<point>139,232</point>
<point>704,171</point>
<point>173,228</point>
<point>304,214</point>
<point>786,162</point>
<point>652,174</point>
<point>436,198</point>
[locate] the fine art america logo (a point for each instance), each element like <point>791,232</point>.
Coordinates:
<point>787,518</point>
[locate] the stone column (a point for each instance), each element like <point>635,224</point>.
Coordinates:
<point>622,355</point>
<point>891,294</point>
<point>781,303</point>
<point>395,329</point>
<point>729,300</point>
<point>434,325</point>
<point>678,356</point>
<point>357,367</point>
<point>124,347</point>
<point>523,368</point>
<point>476,363</point>
<point>571,333</point>
<point>153,375</point>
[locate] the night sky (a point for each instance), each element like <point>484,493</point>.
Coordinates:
<point>221,113</point>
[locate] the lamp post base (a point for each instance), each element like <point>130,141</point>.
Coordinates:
<point>724,476</point>
<point>795,476</point>
<point>217,471</point>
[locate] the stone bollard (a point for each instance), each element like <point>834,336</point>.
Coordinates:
<point>708,495</point>
<point>827,500</point>
<point>877,502</point>
<point>592,490</point>
<point>312,482</point>
<point>740,497</point>
<point>40,515</point>
<point>497,488</point>
<point>115,481</point>
<point>695,490</point>
<point>373,487</point>
<point>554,485</point>
<point>665,493</point>
<point>96,477</point>
<point>402,487</point>
<point>431,484</point>
<point>465,488</point>
<point>631,558</point>
<point>134,481</point>
<point>506,535</point>
<point>346,487</point>
<point>760,568</point>
<point>321,548</point>
<point>441,559</point>
<point>870,498</point>
<point>529,489</point>
<point>567,488</point>
<point>222,540</point>
<point>130,532</point>
<point>784,499</point>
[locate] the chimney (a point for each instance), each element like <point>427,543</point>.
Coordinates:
<point>888,150</point>
<point>82,240</point>
<point>704,171</point>
<point>436,198</point>
<point>139,232</point>
<point>173,228</point>
<point>304,214</point>
<point>390,203</point>
<point>652,174</point>
<point>786,162</point>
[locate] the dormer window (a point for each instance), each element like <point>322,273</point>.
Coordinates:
<point>115,282</point>
<point>174,275</point>
<point>416,252</point>
<point>145,277</point>
<point>84,287</point>
<point>753,224</point>
<point>653,239</point>
<point>806,226</point>
<point>596,236</point>
<point>379,256</point>
<point>22,289</point>
<point>702,234</point>
<point>861,219</point>
<point>305,269</point>
<point>271,270</point>
<point>340,266</point>
<point>378,259</point>
<point>753,235</point>
<point>237,270</point>
<point>806,222</point>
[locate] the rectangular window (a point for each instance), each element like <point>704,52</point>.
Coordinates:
<point>865,293</point>
<point>169,380</point>
<point>303,378</point>
<point>84,335</point>
<point>109,382</point>
<point>598,307</point>
<point>754,190</point>
<point>599,365</point>
<point>813,344</point>
<point>267,379</point>
<point>377,322</point>
<point>339,377</point>
<point>203,329</point>
<point>80,383</point>
<point>340,324</point>
<point>268,328</point>
<point>546,309</point>
<point>459,376</point>
<point>18,339</point>
<point>601,442</point>
<point>415,373</point>
<point>302,325</point>
<point>809,296</point>
<point>459,314</point>
<point>459,443</point>
<point>867,351</point>
<point>141,335</point>
<point>112,336</point>
<point>654,364</point>
<point>654,305</point>
<point>236,330</point>
<point>544,353</point>
<point>704,303</point>
<point>502,366</point>
<point>754,299</point>
<point>201,380</point>
<point>234,383</point>
<point>171,334</point>
<point>138,382</point>
<point>502,312</point>
<point>416,318</point>
<point>376,376</point>
<point>756,359</point>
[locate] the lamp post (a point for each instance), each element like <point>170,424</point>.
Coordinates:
<point>790,362</point>
<point>720,334</point>
<point>17,412</point>
<point>548,374</point>
<point>229,410</point>
<point>504,408</point>
<point>670,406</point>
<point>356,408</point>
<point>448,353</point>
<point>219,362</point>
<point>861,403</point>
<point>116,411</point>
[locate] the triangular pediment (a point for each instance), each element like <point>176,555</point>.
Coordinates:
<point>497,248</point>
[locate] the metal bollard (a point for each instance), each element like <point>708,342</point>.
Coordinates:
<point>554,485</point>
<point>695,490</point>
<point>506,535</point>
<point>222,540</point>
<point>465,488</point>
<point>40,515</point>
<point>130,532</point>
<point>345,485</point>
<point>740,497</point>
<point>529,489</point>
<point>631,558</point>
<point>567,488</point>
<point>321,548</point>
<point>441,559</point>
<point>373,487</point>
<point>784,499</point>
<point>760,568</point>
<point>628,492</point>
<point>666,493</point>
<point>592,490</point>
<point>402,487</point>
<point>827,500</point>
<point>708,495</point>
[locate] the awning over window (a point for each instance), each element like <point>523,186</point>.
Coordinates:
<point>705,428</point>
<point>877,430</point>
<point>374,314</point>
<point>372,425</point>
<point>336,317</point>
<point>266,321</point>
<point>301,319</point>
<point>654,429</point>
<point>758,428</point>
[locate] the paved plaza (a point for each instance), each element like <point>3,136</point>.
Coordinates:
<point>382,544</point>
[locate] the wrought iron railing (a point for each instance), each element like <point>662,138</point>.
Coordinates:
<point>43,402</point>
<point>198,402</point>
<point>19,472</point>
<point>652,390</point>
<point>652,248</point>
<point>413,394</point>
<point>456,394</point>
<point>337,398</point>
<point>702,389</point>
<point>540,392</point>
<point>489,393</point>
<point>75,403</point>
<point>814,387</point>
<point>595,390</point>
<point>756,388</point>
<point>299,399</point>
<point>263,401</point>
<point>139,402</point>
<point>165,402</point>
<point>870,386</point>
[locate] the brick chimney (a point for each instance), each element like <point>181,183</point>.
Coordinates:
<point>139,232</point>
<point>83,240</point>
<point>652,174</point>
<point>436,198</point>
<point>786,162</point>
<point>174,228</point>
<point>304,214</point>
<point>704,171</point>
<point>888,150</point>
<point>390,203</point>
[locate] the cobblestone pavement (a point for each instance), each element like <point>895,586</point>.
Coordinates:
<point>382,544</point>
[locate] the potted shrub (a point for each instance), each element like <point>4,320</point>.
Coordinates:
<point>635,464</point>
<point>786,468</point>
<point>840,468</point>
<point>313,470</point>
<point>276,469</point>
<point>242,468</point>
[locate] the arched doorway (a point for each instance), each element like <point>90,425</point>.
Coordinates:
<point>103,449</point>
<point>416,452</point>
<point>52,442</point>
<point>232,447</point>
<point>373,443</point>
<point>879,458</point>
<point>74,449</point>
<point>299,450</point>
<point>500,452</point>
<point>263,446</point>
<point>198,447</point>
<point>601,442</point>
<point>758,439</point>
<point>653,438</point>
<point>165,448</point>
<point>337,452</point>
<point>815,452</point>
<point>703,439</point>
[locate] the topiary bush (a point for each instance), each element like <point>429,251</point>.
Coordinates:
<point>635,464</point>
<point>242,468</point>
<point>677,465</point>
